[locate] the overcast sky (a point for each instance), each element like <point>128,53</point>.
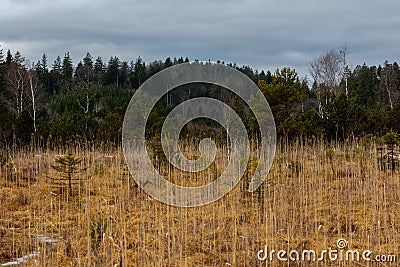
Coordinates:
<point>263,34</point>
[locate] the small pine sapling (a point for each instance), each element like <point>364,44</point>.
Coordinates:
<point>68,165</point>
<point>391,139</point>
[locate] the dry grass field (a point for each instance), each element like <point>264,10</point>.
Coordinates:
<point>315,194</point>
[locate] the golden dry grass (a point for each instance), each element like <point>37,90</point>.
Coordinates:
<point>313,196</point>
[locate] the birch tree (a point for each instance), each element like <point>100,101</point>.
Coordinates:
<point>15,83</point>
<point>388,81</point>
<point>85,79</point>
<point>327,72</point>
<point>33,91</point>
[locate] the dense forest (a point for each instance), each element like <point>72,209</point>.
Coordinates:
<point>44,103</point>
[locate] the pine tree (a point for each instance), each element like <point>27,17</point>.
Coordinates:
<point>2,71</point>
<point>391,139</point>
<point>112,72</point>
<point>56,75</point>
<point>68,166</point>
<point>9,57</point>
<point>167,63</point>
<point>99,70</point>
<point>43,63</point>
<point>139,70</point>
<point>67,71</point>
<point>43,73</point>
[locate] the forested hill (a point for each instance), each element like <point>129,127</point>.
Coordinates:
<point>51,103</point>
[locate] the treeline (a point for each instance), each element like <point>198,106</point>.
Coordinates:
<point>42,103</point>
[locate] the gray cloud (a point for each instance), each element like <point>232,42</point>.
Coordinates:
<point>262,34</point>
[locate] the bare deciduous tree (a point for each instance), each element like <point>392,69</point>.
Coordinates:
<point>16,82</point>
<point>33,82</point>
<point>85,78</point>
<point>388,78</point>
<point>327,72</point>
<point>22,87</point>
